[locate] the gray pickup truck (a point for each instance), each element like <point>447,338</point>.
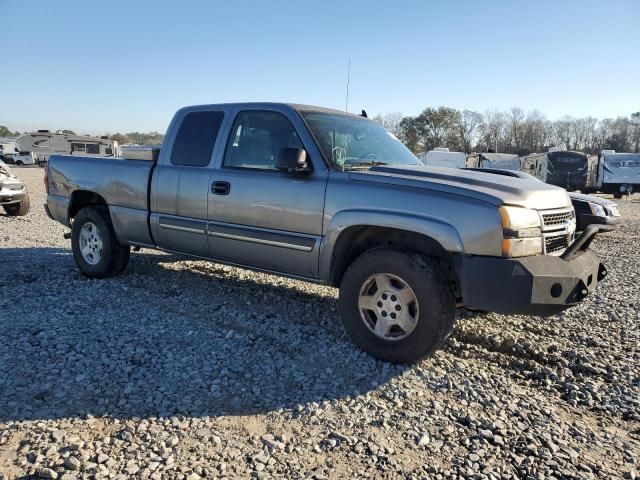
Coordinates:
<point>330,197</point>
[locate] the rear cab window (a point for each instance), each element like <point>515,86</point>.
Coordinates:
<point>196,138</point>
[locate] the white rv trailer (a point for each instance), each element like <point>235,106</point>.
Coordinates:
<point>533,163</point>
<point>44,143</point>
<point>7,148</point>
<point>618,173</point>
<point>442,157</point>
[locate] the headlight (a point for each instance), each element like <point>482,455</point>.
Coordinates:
<point>613,210</point>
<point>597,210</point>
<point>522,232</point>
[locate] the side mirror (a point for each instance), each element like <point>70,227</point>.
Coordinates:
<point>291,159</point>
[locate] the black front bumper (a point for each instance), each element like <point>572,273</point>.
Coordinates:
<point>540,285</point>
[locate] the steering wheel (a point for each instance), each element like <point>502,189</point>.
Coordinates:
<point>368,155</point>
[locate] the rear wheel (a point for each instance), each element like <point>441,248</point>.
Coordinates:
<point>397,306</point>
<point>95,247</point>
<point>18,209</point>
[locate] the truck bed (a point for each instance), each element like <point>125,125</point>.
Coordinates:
<point>123,184</point>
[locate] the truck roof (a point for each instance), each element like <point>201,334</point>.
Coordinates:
<point>295,106</point>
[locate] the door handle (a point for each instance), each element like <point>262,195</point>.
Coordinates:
<point>221,188</point>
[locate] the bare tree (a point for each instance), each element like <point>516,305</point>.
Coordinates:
<point>468,125</point>
<point>493,130</point>
<point>512,131</point>
<point>590,127</point>
<point>635,126</point>
<point>391,122</point>
<point>563,132</point>
<point>516,117</point>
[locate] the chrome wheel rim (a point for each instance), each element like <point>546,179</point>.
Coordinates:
<point>388,306</point>
<point>90,243</point>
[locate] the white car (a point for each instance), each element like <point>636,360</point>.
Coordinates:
<point>24,158</point>
<point>13,193</point>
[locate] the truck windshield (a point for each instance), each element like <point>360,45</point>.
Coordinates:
<point>351,143</point>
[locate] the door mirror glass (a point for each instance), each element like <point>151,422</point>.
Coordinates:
<point>293,160</point>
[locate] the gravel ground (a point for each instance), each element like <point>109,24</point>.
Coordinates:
<point>184,369</point>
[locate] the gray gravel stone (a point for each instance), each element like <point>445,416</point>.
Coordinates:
<point>185,369</point>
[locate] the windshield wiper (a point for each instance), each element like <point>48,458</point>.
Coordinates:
<point>372,163</point>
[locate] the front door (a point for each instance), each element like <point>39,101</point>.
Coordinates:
<point>260,216</point>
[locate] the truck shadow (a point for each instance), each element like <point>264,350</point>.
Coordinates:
<point>168,337</point>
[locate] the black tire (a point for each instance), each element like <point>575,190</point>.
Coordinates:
<point>617,196</point>
<point>114,257</point>
<point>435,315</point>
<point>18,209</point>
<point>19,163</point>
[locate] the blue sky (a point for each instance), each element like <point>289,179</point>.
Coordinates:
<point>105,66</point>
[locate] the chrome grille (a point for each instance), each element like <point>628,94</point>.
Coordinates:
<point>558,229</point>
<point>556,218</point>
<point>556,244</point>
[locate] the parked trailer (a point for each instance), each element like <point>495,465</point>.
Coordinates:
<point>535,164</point>
<point>501,161</point>
<point>44,143</point>
<point>570,170</point>
<point>442,157</point>
<point>618,173</point>
<point>7,149</point>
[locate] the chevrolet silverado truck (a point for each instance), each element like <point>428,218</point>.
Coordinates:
<point>330,197</point>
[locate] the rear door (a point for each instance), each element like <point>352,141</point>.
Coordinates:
<point>181,182</point>
<point>260,216</point>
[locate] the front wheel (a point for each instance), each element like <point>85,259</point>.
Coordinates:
<point>18,209</point>
<point>95,247</point>
<point>397,306</point>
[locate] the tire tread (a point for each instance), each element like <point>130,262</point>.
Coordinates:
<point>115,256</point>
<point>437,315</point>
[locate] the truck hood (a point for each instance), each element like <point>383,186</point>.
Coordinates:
<point>495,189</point>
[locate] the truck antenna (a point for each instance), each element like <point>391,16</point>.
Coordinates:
<point>346,102</point>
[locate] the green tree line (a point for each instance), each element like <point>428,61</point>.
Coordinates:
<point>5,132</point>
<point>151,138</point>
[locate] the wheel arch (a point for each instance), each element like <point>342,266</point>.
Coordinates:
<point>353,233</point>
<point>83,198</point>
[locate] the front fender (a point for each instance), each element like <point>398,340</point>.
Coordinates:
<point>443,233</point>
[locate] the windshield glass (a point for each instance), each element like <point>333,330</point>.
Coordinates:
<point>352,143</point>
